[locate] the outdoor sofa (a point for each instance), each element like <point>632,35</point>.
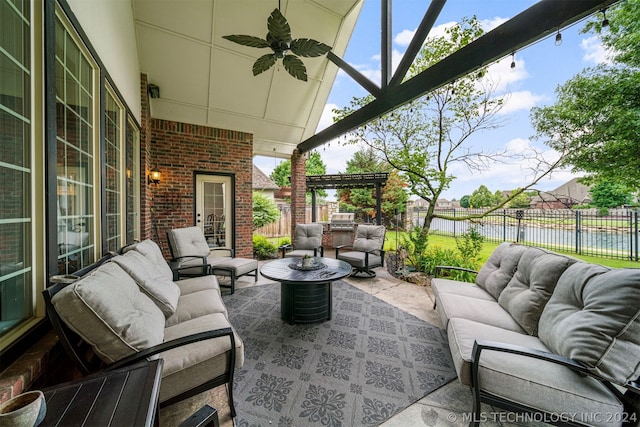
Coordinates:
<point>546,335</point>
<point>126,308</point>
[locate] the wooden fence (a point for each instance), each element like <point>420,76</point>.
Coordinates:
<point>282,227</point>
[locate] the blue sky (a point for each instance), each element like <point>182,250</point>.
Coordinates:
<point>539,70</point>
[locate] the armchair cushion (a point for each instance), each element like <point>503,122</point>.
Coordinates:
<point>308,236</point>
<point>162,291</point>
<point>108,310</point>
<point>188,241</point>
<point>593,317</point>
<point>369,238</point>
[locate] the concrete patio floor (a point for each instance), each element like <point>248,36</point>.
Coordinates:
<point>448,406</point>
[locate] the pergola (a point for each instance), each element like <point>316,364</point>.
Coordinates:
<point>341,181</point>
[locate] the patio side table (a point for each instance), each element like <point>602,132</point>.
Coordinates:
<point>121,397</point>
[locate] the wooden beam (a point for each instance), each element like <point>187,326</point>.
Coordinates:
<point>535,23</point>
<point>385,42</point>
<point>416,42</point>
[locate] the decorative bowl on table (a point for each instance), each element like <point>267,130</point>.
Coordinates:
<point>307,264</point>
<point>25,410</point>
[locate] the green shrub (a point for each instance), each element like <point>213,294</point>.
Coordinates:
<point>263,248</point>
<point>415,243</point>
<point>265,210</point>
<point>286,240</point>
<point>437,255</point>
<point>470,244</point>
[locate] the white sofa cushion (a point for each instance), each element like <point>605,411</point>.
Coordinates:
<point>188,366</point>
<point>479,310</point>
<point>151,280</point>
<point>549,388</point>
<point>499,268</point>
<point>197,304</point>
<point>152,251</point>
<point>449,286</point>
<point>108,310</point>
<point>593,317</point>
<point>531,286</point>
<point>462,333</point>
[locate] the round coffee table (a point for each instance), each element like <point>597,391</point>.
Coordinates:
<point>305,294</point>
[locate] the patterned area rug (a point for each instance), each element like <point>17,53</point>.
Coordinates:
<point>366,364</point>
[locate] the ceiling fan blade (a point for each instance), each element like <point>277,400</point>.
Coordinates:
<point>250,41</point>
<point>295,67</point>
<point>309,47</point>
<point>279,27</point>
<point>263,63</point>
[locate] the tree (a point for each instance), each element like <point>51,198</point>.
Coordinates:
<point>314,165</point>
<point>499,198</point>
<point>596,115</point>
<point>423,140</point>
<point>464,201</point>
<point>609,194</point>
<point>265,210</point>
<point>521,201</point>
<point>481,198</point>
<point>595,122</point>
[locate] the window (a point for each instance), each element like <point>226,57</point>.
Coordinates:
<point>133,178</point>
<point>113,137</point>
<point>75,75</point>
<point>16,297</point>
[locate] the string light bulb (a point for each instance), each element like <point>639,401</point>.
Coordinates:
<point>513,60</point>
<point>558,38</point>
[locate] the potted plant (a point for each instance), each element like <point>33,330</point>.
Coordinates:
<point>307,261</point>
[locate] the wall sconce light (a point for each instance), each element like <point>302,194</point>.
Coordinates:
<point>154,176</point>
<point>154,91</point>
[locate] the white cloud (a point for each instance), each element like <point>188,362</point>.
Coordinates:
<point>334,154</point>
<point>404,37</point>
<point>594,51</point>
<point>508,175</point>
<point>502,75</point>
<point>489,24</point>
<point>326,119</point>
<point>520,100</point>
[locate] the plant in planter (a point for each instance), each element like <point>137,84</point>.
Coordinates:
<point>307,261</point>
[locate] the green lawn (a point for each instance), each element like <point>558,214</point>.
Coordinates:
<point>488,248</point>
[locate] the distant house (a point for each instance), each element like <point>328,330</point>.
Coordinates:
<point>263,183</point>
<point>566,196</point>
<point>421,204</point>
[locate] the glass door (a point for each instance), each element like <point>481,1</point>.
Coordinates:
<point>214,214</point>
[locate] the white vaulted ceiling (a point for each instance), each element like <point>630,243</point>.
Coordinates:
<point>207,80</point>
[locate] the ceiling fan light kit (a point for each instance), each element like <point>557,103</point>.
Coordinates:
<point>283,47</point>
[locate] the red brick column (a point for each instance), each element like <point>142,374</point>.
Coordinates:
<point>298,189</point>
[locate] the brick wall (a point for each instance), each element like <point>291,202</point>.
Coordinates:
<point>145,154</point>
<point>179,150</point>
<point>298,189</point>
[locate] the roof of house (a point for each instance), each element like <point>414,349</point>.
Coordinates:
<point>572,190</point>
<point>262,181</point>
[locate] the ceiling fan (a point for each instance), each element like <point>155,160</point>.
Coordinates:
<point>280,41</point>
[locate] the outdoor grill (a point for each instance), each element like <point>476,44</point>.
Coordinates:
<point>342,221</point>
<point>342,228</point>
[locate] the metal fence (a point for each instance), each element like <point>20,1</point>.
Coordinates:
<point>584,232</point>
